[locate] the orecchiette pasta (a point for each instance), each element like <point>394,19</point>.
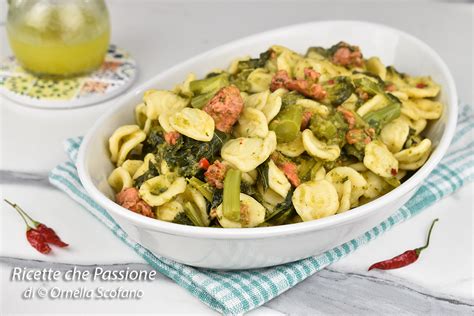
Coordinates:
<point>339,175</point>
<point>292,149</point>
<point>380,160</point>
<point>120,179</point>
<point>255,213</point>
<point>193,123</point>
<point>317,148</point>
<point>281,138</point>
<point>375,66</point>
<point>315,199</point>
<point>415,152</point>
<point>277,180</point>
<point>161,189</point>
<point>345,197</point>
<point>160,101</point>
<point>395,134</point>
<point>248,153</point>
<point>123,141</point>
<point>259,80</point>
<point>428,109</point>
<point>252,123</point>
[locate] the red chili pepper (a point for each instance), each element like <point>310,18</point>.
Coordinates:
<point>204,163</point>
<point>38,234</point>
<point>37,240</point>
<point>50,236</point>
<point>406,258</point>
<point>421,85</point>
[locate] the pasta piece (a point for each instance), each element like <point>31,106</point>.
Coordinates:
<point>428,109</point>
<point>161,189</point>
<point>286,59</point>
<point>197,199</point>
<point>193,123</point>
<point>252,123</point>
<point>259,80</point>
<point>358,166</point>
<point>257,100</point>
<point>292,149</point>
<point>164,120</point>
<point>161,101</point>
<point>339,175</point>
<point>402,96</point>
<point>144,166</point>
<point>414,165</point>
<point>345,199</point>
<point>252,213</point>
<point>375,66</point>
<point>395,134</point>
<point>249,177</point>
<point>273,105</point>
<point>318,149</point>
<point>380,160</point>
<point>418,125</point>
<point>247,153</point>
<point>120,179</point>
<point>315,199</point>
<point>376,186</point>
<point>184,89</point>
<point>375,103</point>
<point>140,115</point>
<point>414,153</point>
<point>270,197</point>
<point>234,65</point>
<point>123,141</point>
<point>277,180</point>
<point>168,211</point>
<point>410,110</point>
<point>319,174</point>
<point>421,87</point>
<point>132,166</point>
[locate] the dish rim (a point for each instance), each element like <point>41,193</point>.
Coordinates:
<point>282,230</point>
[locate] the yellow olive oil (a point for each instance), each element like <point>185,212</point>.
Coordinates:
<point>59,40</point>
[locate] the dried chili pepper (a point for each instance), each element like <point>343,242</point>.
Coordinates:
<point>38,234</point>
<point>404,259</point>
<point>204,163</point>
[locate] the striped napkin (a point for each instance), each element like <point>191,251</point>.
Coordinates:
<point>237,292</point>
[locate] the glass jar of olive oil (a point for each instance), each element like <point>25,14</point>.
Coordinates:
<point>58,37</point>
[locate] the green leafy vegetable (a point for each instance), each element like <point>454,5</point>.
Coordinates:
<point>338,90</point>
<point>183,219</point>
<point>204,188</point>
<point>262,171</point>
<point>184,156</point>
<point>194,214</point>
<point>281,211</point>
<point>210,84</point>
<point>378,119</point>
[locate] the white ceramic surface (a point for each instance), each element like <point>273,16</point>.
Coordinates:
<point>259,247</point>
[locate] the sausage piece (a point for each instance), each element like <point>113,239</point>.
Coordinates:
<point>225,108</point>
<point>215,174</point>
<point>130,199</point>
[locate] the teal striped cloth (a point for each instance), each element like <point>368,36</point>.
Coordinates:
<point>237,292</point>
